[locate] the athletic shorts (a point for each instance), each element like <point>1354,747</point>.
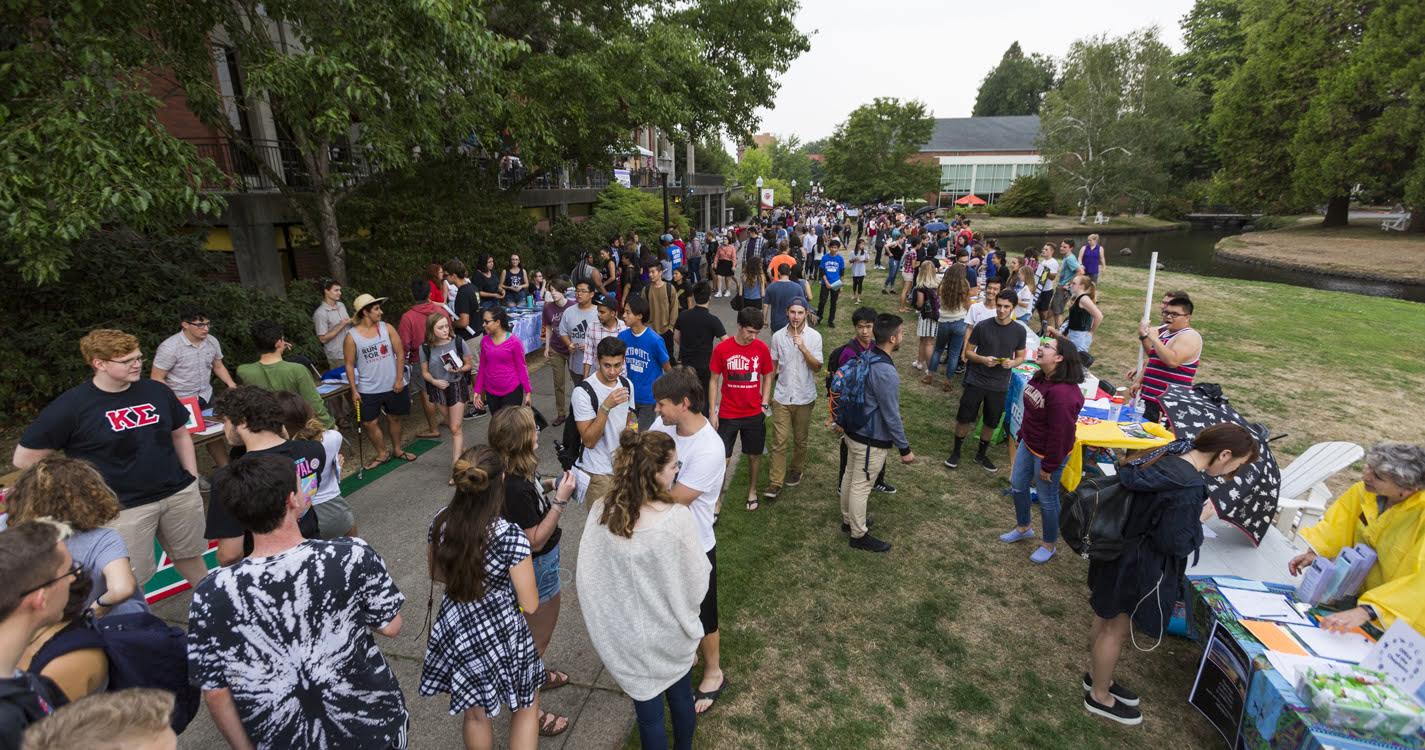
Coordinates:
<point>707,613</point>
<point>373,405</point>
<point>1059,301</point>
<point>975,399</point>
<point>1041,303</point>
<point>752,429</point>
<point>334,517</point>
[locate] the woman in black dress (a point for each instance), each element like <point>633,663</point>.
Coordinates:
<point>1162,530</point>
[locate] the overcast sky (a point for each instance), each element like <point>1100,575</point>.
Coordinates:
<point>933,50</point>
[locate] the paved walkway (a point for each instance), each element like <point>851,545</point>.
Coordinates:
<point>392,514</point>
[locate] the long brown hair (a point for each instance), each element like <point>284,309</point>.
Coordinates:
<point>512,436</point>
<point>955,289</point>
<point>462,529</point>
<point>1230,437</point>
<point>298,418</point>
<point>640,456</point>
<point>68,490</point>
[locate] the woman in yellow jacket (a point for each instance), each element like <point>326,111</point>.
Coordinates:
<point>1386,510</point>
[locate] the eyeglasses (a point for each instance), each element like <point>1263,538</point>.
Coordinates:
<point>1173,315</point>
<point>74,570</point>
<point>204,324</point>
<point>130,362</point>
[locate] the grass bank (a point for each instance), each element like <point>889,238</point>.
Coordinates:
<point>1010,226</point>
<point>1360,250</point>
<point>955,640</point>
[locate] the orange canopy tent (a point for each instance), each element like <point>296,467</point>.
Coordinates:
<point>970,200</point>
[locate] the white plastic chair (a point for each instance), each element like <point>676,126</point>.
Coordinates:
<point>1398,224</point>
<point>1099,218</point>
<point>1303,487</point>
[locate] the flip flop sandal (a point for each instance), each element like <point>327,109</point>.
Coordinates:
<point>752,504</point>
<point>405,456</point>
<point>376,462</point>
<point>548,720</point>
<point>711,695</point>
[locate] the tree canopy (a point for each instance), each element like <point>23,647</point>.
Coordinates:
<point>1016,86</point>
<point>1212,33</point>
<point>869,157</point>
<point>1114,126</point>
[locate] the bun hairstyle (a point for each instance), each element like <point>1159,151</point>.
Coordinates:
<point>640,456</point>
<point>461,532</point>
<point>298,418</point>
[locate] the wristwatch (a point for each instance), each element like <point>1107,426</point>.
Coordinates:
<point>1142,337</point>
<point>1371,611</point>
<point>604,408</point>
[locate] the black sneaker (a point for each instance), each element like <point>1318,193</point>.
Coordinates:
<point>772,493</point>
<point>985,463</point>
<point>1119,711</point>
<point>846,527</point>
<point>872,544</point>
<point>794,478</point>
<point>885,488</point>
<point>1120,693</point>
<point>953,462</point>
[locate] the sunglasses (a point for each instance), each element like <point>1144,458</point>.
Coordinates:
<point>74,570</point>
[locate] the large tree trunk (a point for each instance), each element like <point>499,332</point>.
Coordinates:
<point>330,235</point>
<point>1338,211</point>
<point>1417,220</point>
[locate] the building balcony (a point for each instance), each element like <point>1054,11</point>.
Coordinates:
<point>259,165</point>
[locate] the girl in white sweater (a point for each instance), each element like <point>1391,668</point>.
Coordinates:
<point>641,578</point>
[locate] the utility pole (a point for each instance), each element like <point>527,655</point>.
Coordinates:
<point>665,201</point>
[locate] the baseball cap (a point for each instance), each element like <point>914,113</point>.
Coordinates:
<point>603,300</point>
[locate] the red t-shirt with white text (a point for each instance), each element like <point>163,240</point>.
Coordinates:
<point>742,369</point>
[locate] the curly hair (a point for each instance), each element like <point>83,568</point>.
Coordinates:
<point>250,406</point>
<point>512,432</point>
<point>640,456</point>
<point>106,343</point>
<point>461,538</point>
<point>65,489</point>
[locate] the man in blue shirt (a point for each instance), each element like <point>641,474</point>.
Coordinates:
<point>645,359</point>
<point>833,265</point>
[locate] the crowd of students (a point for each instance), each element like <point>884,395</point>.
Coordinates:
<point>281,639</point>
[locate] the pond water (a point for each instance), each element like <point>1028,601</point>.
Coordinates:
<point>1194,251</point>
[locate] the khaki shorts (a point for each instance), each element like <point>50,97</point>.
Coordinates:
<point>1059,300</point>
<point>177,522</point>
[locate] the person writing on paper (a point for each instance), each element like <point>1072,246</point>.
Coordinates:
<point>1385,510</point>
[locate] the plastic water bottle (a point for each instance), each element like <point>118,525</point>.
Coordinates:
<point>1115,408</point>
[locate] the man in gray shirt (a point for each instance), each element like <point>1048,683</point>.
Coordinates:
<point>332,321</point>
<point>187,361</point>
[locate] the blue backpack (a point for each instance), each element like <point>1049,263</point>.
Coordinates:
<point>849,409</point>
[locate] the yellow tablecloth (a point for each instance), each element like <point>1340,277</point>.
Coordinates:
<point>1107,435</point>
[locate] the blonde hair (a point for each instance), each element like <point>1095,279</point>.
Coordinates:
<point>106,344</point>
<point>954,290</point>
<point>1093,238</point>
<point>431,321</point>
<point>1086,283</point>
<point>512,436</point>
<point>104,721</point>
<point>640,456</point>
<point>64,489</point>
<point>925,275</point>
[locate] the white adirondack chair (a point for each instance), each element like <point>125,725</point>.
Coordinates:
<point>1303,488</point>
<point>1398,224</point>
<point>1099,218</point>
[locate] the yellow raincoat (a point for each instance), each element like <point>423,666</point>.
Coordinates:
<point>1396,585</point>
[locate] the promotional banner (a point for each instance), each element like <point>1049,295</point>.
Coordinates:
<point>766,197</point>
<point>621,176</point>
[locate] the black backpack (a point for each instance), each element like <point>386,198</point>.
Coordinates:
<point>25,702</point>
<point>571,448</point>
<point>1093,516</point>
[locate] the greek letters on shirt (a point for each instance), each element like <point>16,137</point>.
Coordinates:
<point>130,417</point>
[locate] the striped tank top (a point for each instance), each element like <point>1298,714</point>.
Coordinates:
<point>1157,376</point>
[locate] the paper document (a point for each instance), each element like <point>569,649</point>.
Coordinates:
<point>1274,637</point>
<point>1291,665</point>
<point>1350,647</point>
<point>1257,605</point>
<point>1237,583</point>
<point>326,388</point>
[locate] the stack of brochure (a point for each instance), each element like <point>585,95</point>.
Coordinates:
<point>1332,580</point>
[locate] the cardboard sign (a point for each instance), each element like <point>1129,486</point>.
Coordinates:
<point>195,422</point>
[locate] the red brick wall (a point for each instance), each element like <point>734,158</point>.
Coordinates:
<point>175,114</point>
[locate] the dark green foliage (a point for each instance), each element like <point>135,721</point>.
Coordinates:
<point>869,158</point>
<point>159,275</point>
<point>1016,86</point>
<point>557,251</point>
<point>1029,195</point>
<point>1212,32</point>
<point>429,213</point>
<point>622,210</point>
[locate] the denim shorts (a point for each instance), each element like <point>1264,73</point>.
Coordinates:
<point>546,574</point>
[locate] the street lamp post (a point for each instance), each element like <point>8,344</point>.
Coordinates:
<point>759,196</point>
<point>665,201</point>
<point>794,191</point>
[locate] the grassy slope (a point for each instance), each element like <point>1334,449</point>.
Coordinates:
<point>955,640</point>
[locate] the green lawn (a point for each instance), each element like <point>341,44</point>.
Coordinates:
<point>992,226</point>
<point>956,640</point>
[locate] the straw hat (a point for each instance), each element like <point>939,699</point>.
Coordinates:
<point>367,300</point>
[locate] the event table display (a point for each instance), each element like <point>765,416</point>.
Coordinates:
<point>1258,642</point>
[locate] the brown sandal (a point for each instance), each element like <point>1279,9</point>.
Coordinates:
<point>550,726</point>
<point>556,680</point>
<point>928,379</point>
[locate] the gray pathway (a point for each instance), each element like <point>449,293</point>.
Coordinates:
<point>392,515</point>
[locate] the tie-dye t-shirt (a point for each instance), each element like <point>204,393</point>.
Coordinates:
<point>290,636</point>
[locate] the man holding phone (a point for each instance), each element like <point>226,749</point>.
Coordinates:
<point>994,348</point>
